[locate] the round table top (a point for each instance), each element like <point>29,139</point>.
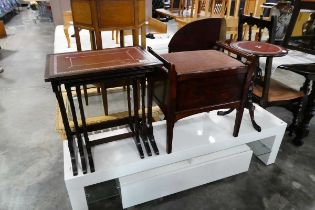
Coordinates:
<point>261,49</point>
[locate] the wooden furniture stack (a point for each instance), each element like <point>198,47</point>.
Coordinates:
<point>108,15</point>
<point>73,70</point>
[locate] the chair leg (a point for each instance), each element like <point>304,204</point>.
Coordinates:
<point>122,39</point>
<point>67,36</point>
<point>117,34</point>
<point>296,117</point>
<point>135,37</point>
<point>86,96</point>
<point>299,109</point>
<point>77,38</point>
<point>143,36</point>
<point>92,40</point>
<point>169,137</point>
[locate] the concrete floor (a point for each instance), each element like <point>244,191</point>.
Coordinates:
<point>31,164</point>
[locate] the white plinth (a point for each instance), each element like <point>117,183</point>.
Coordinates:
<point>165,180</point>
<point>200,135</point>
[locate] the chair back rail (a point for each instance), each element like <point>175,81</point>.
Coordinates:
<point>198,35</point>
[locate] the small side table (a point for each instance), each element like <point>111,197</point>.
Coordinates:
<point>260,49</point>
<point>132,65</point>
<point>308,111</point>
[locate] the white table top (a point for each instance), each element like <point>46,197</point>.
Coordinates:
<point>194,136</point>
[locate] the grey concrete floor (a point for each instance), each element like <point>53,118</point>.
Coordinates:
<point>31,164</point>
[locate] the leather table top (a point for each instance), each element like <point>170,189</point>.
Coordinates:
<point>80,64</point>
<point>261,49</point>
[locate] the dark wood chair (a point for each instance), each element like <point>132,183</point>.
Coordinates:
<point>198,35</point>
<point>267,91</point>
<point>197,79</point>
<point>201,81</point>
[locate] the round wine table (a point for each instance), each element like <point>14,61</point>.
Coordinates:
<point>260,49</point>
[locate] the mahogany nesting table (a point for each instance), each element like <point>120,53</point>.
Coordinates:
<point>132,65</point>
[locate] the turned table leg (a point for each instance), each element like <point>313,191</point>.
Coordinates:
<point>57,89</point>
<point>149,116</point>
<point>84,129</point>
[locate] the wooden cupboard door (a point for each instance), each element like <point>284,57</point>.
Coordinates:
<point>207,90</point>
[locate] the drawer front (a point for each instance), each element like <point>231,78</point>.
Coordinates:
<point>209,91</point>
<point>166,180</point>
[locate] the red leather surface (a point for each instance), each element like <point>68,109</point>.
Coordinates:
<point>259,48</point>
<point>77,63</point>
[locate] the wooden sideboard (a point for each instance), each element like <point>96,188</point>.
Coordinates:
<point>105,15</point>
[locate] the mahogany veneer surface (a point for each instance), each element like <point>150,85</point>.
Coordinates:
<point>202,61</point>
<point>81,63</point>
<point>206,78</point>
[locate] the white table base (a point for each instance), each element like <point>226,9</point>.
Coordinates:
<point>204,150</point>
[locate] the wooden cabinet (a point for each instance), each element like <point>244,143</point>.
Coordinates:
<point>104,15</point>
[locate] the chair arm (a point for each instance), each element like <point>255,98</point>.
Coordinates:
<point>155,54</point>
<point>302,69</point>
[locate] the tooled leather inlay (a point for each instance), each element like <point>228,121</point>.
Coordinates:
<point>92,61</point>
<point>258,48</point>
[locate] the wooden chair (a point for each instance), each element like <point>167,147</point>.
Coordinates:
<point>202,81</point>
<point>197,35</point>
<point>305,111</point>
<point>194,75</point>
<point>267,91</point>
